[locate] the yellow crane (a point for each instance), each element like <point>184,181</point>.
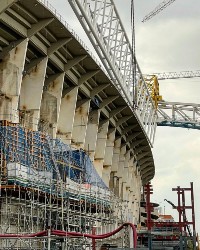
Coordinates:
<point>152,81</point>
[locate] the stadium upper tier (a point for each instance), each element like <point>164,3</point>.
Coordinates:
<point>49,81</point>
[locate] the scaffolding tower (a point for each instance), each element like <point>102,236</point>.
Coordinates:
<point>47,185</point>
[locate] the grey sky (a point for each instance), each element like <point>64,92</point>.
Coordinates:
<point>168,42</point>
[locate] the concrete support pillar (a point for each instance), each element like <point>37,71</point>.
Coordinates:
<point>125,176</point>
<point>132,185</point>
<point>50,106</point>
<point>139,186</point>
<point>111,182</point>
<point>133,189</point>
<point>91,133</point>
<point>130,205</point>
<point>129,197</point>
<point>31,93</point>
<point>130,173</point>
<point>116,153</point>
<point>117,185</point>
<point>137,196</point>
<point>100,147</point>
<point>130,193</point>
<point>114,180</point>
<point>108,155</point>
<point>120,172</point>
<point>11,68</point>
<point>134,174</point>
<point>80,124</point>
<point>125,192</point>
<point>67,114</point>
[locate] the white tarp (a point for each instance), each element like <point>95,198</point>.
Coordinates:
<point>28,174</point>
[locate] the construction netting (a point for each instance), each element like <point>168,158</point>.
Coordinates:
<point>31,156</point>
<point>76,164</point>
<point>45,184</point>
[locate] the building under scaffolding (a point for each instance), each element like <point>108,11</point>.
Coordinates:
<point>47,184</point>
<point>74,154</point>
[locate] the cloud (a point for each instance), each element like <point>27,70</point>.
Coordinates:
<point>169,46</point>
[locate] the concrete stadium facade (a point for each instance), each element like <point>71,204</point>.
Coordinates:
<point>50,82</point>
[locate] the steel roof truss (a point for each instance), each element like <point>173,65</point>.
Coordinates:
<point>104,28</point>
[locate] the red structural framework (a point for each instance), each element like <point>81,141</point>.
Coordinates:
<point>148,190</point>
<point>182,207</point>
<point>183,223</point>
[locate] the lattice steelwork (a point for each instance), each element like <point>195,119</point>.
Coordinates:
<point>158,9</point>
<point>105,30</point>
<point>176,114</point>
<point>177,75</point>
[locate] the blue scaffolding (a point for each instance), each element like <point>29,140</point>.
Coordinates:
<point>35,153</point>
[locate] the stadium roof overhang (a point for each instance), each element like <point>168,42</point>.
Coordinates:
<point>49,36</point>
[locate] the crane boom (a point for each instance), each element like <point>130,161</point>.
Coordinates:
<point>177,114</point>
<point>158,9</point>
<point>177,75</point>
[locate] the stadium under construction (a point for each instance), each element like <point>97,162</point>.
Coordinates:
<point>75,134</point>
<point>74,155</point>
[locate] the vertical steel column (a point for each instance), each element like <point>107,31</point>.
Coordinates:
<point>180,211</point>
<point>183,209</point>
<point>179,207</point>
<point>193,215</point>
<point>148,192</point>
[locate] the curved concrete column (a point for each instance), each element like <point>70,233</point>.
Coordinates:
<point>31,92</point>
<point>67,114</point>
<point>11,72</point>
<point>125,176</point>
<point>114,179</point>
<point>100,147</point>
<point>51,102</point>
<point>108,158</point>
<point>130,172</point>
<point>116,154</point>
<point>80,124</point>
<point>91,133</point>
<point>120,172</point>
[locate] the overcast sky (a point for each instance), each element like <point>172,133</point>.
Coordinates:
<point>168,42</point>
